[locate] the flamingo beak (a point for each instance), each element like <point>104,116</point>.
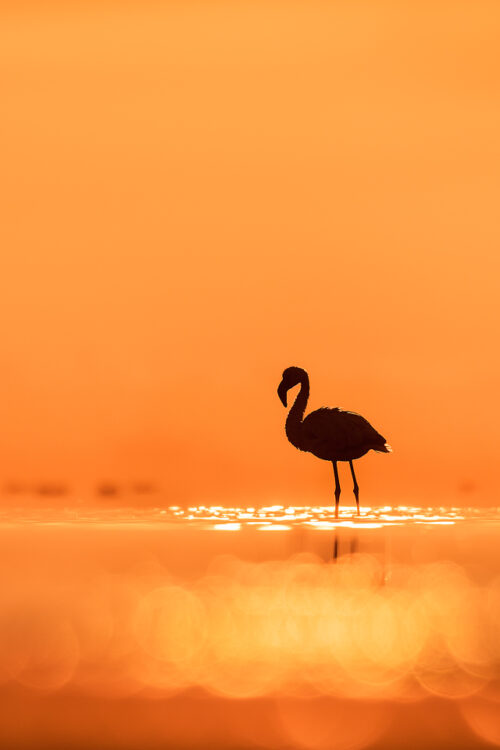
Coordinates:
<point>282,391</point>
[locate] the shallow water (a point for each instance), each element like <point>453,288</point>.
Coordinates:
<point>270,627</point>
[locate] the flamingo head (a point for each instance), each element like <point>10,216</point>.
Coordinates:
<point>291,376</point>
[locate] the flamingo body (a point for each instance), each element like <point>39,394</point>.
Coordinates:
<point>340,435</point>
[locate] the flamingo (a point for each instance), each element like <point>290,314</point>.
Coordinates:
<point>331,434</point>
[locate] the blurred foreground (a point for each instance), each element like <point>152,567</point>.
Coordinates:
<point>137,630</point>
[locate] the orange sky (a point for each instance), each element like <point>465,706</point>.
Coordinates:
<point>198,194</point>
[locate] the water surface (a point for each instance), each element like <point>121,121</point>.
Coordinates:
<point>288,623</point>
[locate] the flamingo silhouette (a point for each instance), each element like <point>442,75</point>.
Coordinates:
<point>331,434</point>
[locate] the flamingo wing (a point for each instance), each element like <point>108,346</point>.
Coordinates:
<point>340,430</point>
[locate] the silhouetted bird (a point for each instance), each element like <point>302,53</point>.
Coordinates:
<point>331,434</point>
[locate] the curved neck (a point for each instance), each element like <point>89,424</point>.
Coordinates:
<point>296,413</point>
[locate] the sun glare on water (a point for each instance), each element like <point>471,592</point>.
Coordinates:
<point>284,518</point>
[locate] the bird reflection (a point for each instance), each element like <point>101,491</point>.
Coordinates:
<point>353,545</point>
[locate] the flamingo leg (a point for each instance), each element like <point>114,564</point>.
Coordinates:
<point>337,489</point>
<point>356,488</point>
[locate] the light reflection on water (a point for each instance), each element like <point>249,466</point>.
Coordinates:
<point>277,517</point>
<point>366,625</point>
<point>355,628</point>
